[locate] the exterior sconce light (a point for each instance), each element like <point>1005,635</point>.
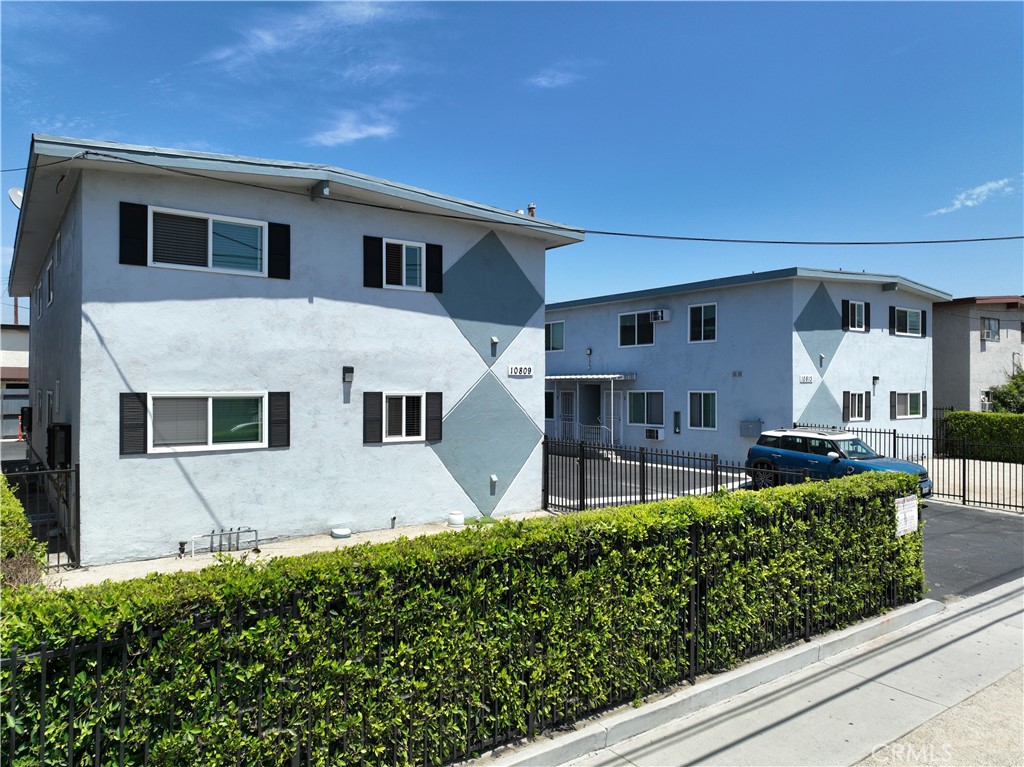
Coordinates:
<point>347,373</point>
<point>874,380</point>
<point>589,351</point>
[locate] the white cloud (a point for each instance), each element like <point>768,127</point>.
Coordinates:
<point>350,126</point>
<point>555,77</point>
<point>315,26</point>
<point>976,196</point>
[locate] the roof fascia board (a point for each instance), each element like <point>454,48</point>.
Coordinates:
<point>159,159</point>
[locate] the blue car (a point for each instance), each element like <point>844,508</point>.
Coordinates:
<point>791,455</point>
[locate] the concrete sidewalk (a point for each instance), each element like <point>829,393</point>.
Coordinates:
<point>926,684</point>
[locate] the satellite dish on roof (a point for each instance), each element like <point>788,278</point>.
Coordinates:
<point>15,195</point>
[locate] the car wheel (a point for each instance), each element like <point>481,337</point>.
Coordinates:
<point>764,476</point>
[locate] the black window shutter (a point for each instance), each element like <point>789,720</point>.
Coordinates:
<point>867,316</point>
<point>846,403</point>
<point>279,251</point>
<point>434,416</point>
<point>924,323</point>
<point>373,263</point>
<point>892,320</point>
<point>892,406</point>
<point>846,317</point>
<point>279,415</point>
<point>134,234</point>
<point>435,269</point>
<point>924,404</point>
<point>867,406</point>
<point>133,423</point>
<point>373,417</point>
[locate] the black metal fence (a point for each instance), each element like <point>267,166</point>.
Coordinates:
<point>51,501</point>
<point>583,475</point>
<point>973,473</point>
<point>133,700</point>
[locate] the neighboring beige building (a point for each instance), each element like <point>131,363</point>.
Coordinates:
<point>978,344</point>
<point>13,376</point>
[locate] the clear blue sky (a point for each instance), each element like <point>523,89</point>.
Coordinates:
<point>790,121</point>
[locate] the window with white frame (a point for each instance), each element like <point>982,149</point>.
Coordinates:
<point>703,323</point>
<point>636,329</point>
<point>403,417</point>
<point>221,421</point>
<point>703,410</point>
<point>909,404</point>
<point>908,322</point>
<point>184,240</point>
<point>986,401</point>
<point>549,405</point>
<point>554,336</point>
<point>855,317</point>
<point>403,264</point>
<point>989,328</point>
<point>857,409</point>
<point>646,408</point>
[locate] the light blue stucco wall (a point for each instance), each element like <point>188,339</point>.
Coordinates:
<point>54,340</point>
<point>148,329</point>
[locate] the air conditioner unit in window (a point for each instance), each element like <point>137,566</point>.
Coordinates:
<point>661,315</point>
<point>986,407</point>
<point>988,335</point>
<point>657,434</point>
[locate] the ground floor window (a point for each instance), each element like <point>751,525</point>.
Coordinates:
<point>908,404</point>
<point>549,405</point>
<point>404,417</point>
<point>703,410</point>
<point>209,421</point>
<point>856,406</point>
<point>646,408</point>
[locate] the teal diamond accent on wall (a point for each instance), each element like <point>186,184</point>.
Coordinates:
<point>487,295</point>
<point>823,409</point>
<point>486,433</point>
<point>819,327</point>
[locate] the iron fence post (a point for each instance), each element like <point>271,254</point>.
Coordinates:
<point>582,479</point>
<point>716,481</point>
<point>78,515</point>
<point>643,475</point>
<point>545,467</point>
<point>963,470</point>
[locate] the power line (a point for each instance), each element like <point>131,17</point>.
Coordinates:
<point>541,226</point>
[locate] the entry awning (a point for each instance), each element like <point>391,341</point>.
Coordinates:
<point>593,377</point>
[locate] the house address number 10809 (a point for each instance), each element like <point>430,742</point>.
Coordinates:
<point>520,370</point>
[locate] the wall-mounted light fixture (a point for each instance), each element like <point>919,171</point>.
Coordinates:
<point>347,374</point>
<point>589,351</point>
<point>874,380</point>
<point>821,360</point>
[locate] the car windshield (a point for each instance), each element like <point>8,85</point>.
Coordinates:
<point>855,449</point>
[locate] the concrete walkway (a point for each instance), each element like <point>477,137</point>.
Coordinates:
<point>927,684</point>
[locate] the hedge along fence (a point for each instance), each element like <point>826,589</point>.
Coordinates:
<point>428,650</point>
<point>985,436</point>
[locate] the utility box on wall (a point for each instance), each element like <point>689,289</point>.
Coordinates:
<point>750,428</point>
<point>58,445</point>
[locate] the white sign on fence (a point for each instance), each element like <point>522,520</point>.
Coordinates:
<point>906,515</point>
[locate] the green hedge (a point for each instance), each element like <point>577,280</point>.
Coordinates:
<point>22,557</point>
<point>426,650</point>
<point>988,436</point>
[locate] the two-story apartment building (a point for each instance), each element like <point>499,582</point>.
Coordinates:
<point>705,366</point>
<point>284,346</point>
<point>978,343</point>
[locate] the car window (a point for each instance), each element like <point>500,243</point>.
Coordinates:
<point>818,446</point>
<point>790,442</point>
<point>769,440</point>
<point>855,449</point>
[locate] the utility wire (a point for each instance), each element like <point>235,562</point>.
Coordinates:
<point>539,225</point>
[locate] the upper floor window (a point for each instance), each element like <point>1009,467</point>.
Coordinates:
<point>636,329</point>
<point>647,408</point>
<point>403,264</point>
<point>906,322</point>
<point>989,328</point>
<point>856,315</point>
<point>554,336</point>
<point>191,241</point>
<point>703,322</point>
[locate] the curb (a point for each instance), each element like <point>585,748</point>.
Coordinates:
<point>562,748</point>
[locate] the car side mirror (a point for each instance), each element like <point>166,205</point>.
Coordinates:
<point>833,455</point>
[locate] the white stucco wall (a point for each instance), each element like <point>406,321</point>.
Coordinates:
<point>147,329</point>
